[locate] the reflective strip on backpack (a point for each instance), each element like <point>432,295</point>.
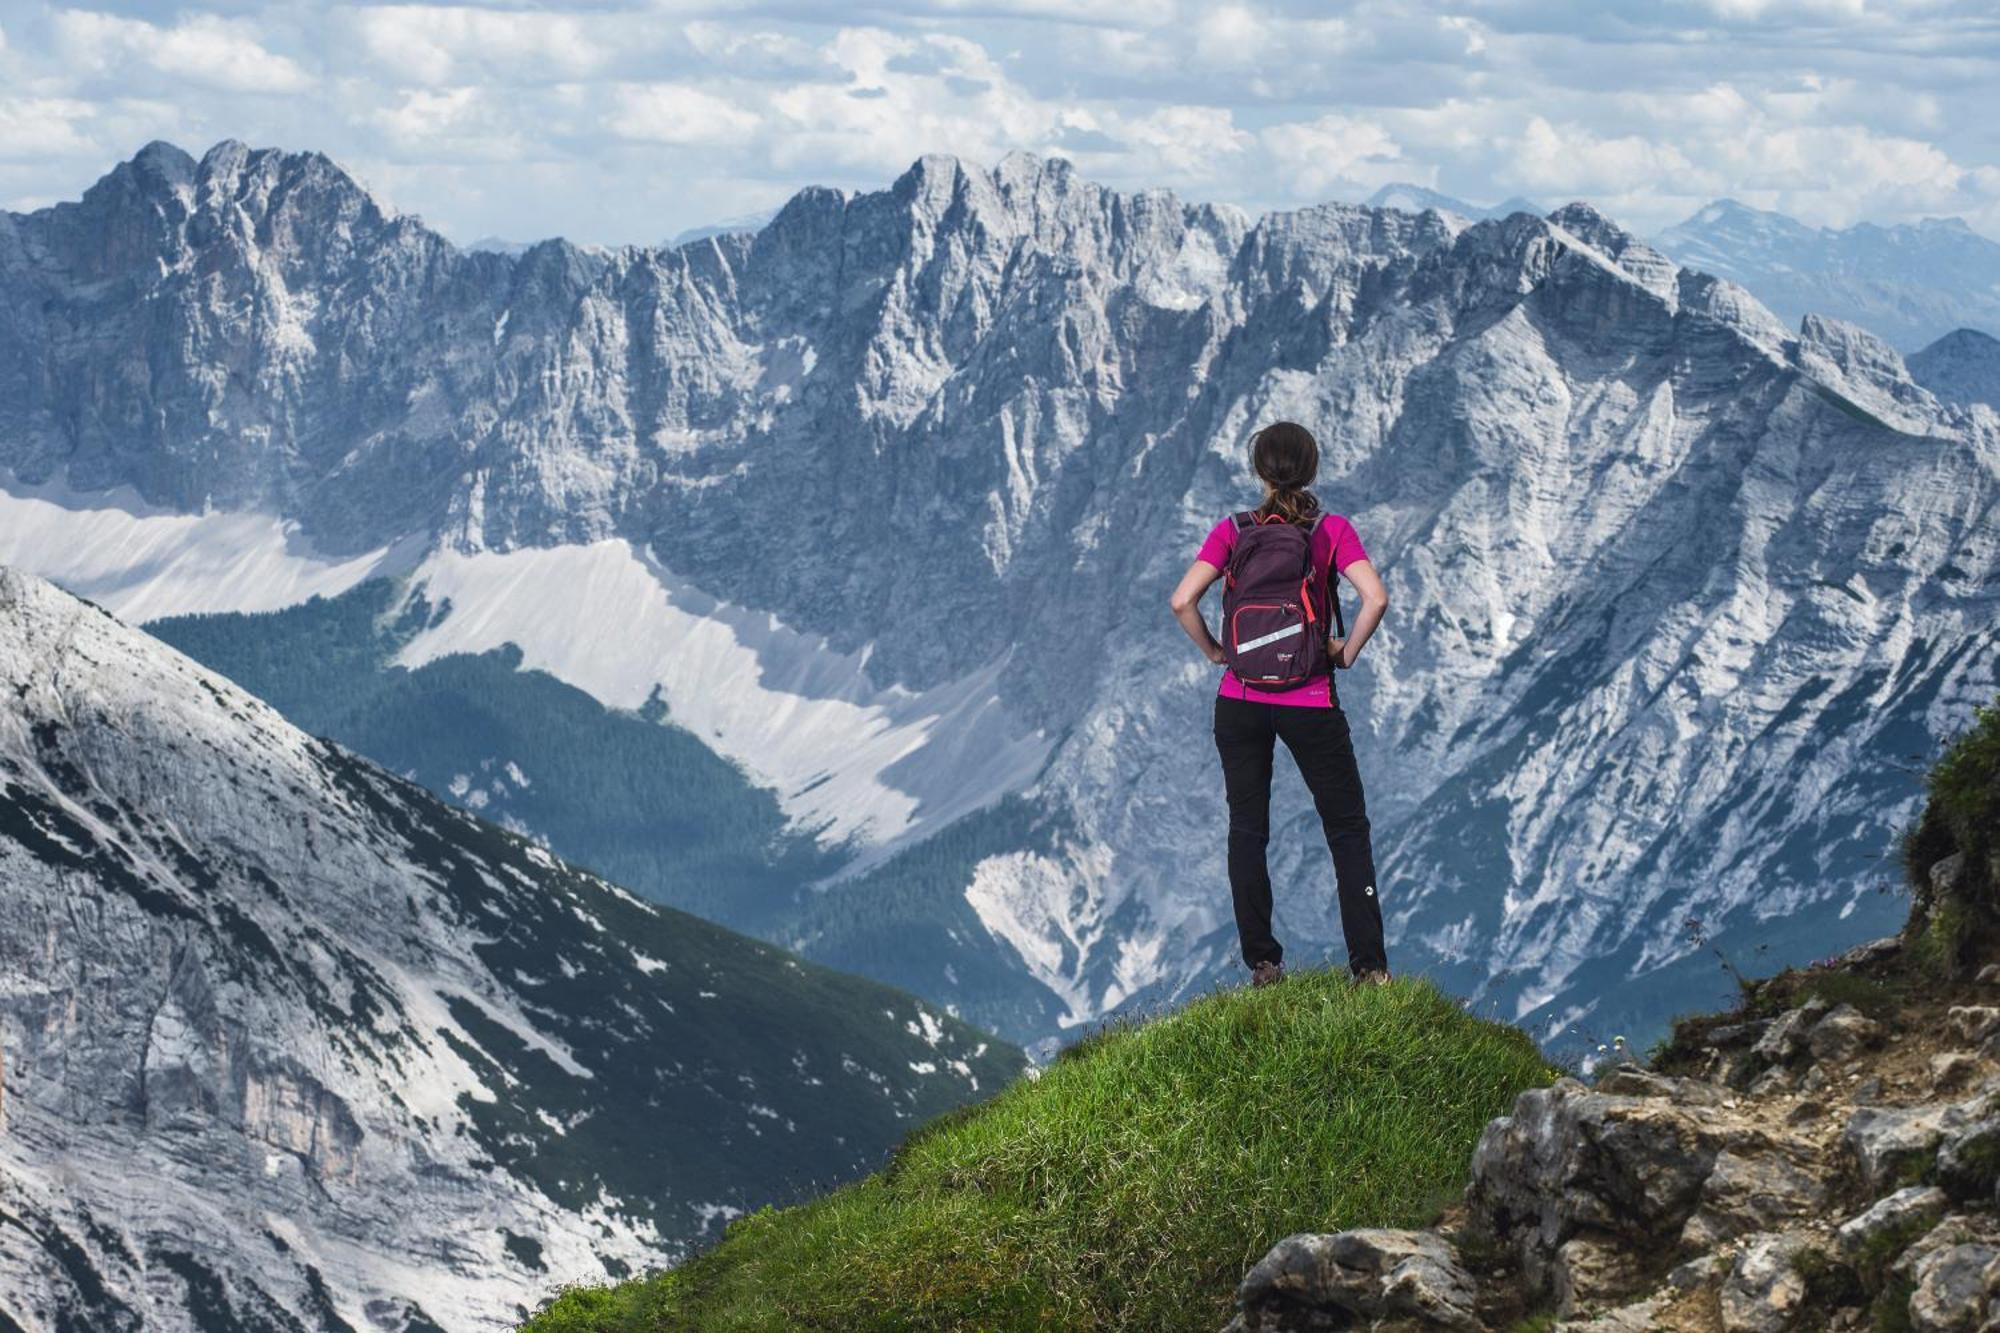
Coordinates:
<point>1272,637</point>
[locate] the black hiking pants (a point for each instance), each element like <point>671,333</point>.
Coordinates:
<point>1320,745</point>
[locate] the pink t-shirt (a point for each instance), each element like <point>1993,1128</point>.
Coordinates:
<point>1334,546</point>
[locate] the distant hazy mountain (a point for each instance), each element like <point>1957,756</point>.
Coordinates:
<point>882,504</point>
<point>743,222</point>
<point>1961,367</point>
<point>291,1044</point>
<point>1415,199</point>
<point>1911,283</point>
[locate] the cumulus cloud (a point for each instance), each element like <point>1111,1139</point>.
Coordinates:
<point>630,119</point>
<point>41,127</point>
<point>674,114</point>
<point>444,44</point>
<point>1335,151</point>
<point>204,50</point>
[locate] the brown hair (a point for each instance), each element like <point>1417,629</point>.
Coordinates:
<point>1286,457</point>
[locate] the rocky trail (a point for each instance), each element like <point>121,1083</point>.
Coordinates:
<point>1824,1158</point>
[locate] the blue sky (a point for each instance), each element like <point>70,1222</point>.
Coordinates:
<point>620,122</point>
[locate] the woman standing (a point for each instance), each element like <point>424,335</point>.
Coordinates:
<point>1292,696</point>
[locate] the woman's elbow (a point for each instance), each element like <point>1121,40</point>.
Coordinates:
<point>1179,602</point>
<point>1379,603</point>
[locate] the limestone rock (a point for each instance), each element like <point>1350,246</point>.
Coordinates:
<point>1570,1160</point>
<point>1773,1082</point>
<point>1312,1281</point>
<point>1638,1317</point>
<point>1968,1161</point>
<point>1957,1291</point>
<point>1888,1224</point>
<point>1786,1037</point>
<point>1843,1034</point>
<point>1590,1269</point>
<point>1629,1080</point>
<point>1892,1144</point>
<point>1739,1034</point>
<point>1749,1192</point>
<point>1765,1291</point>
<point>1973,1023</point>
<point>1874,951</point>
<point>1954,1071</point>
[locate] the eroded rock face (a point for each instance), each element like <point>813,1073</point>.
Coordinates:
<point>1765,1292</point>
<point>1869,1238</point>
<point>1570,1159</point>
<point>1754,1191</point>
<point>1842,1035</point>
<point>1893,1145</point>
<point>1676,1205</point>
<point>1349,1277</point>
<point>1958,1290</point>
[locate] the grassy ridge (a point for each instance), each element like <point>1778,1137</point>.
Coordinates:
<point>1130,1186</point>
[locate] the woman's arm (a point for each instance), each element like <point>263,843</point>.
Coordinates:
<point>1186,603</point>
<point>1374,601</point>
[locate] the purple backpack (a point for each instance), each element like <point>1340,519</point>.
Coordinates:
<point>1274,612</point>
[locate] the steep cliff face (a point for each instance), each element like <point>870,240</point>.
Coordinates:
<point>883,501</point>
<point>289,1043</point>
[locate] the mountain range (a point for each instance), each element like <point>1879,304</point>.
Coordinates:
<point>291,1044</point>
<point>1910,283</point>
<point>880,504</point>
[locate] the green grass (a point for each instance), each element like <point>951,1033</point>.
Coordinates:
<point>1130,1186</point>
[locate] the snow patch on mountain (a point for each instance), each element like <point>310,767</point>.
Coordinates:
<point>144,563</point>
<point>849,761</point>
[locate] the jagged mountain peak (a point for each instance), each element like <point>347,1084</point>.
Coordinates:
<point>166,161</point>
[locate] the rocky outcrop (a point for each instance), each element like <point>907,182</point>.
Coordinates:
<point>1813,1172</point>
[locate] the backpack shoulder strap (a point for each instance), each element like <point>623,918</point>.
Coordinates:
<point>1243,518</point>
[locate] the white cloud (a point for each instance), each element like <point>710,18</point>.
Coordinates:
<point>40,127</point>
<point>673,114</point>
<point>201,49</point>
<point>628,119</point>
<point>1575,160</point>
<point>1322,155</point>
<point>441,44</point>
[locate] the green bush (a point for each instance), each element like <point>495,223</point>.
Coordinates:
<point>1130,1186</point>
<point>1962,815</point>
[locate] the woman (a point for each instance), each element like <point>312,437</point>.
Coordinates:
<point>1305,716</point>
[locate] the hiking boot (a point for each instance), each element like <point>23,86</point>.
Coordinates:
<point>1267,974</point>
<point>1374,976</point>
